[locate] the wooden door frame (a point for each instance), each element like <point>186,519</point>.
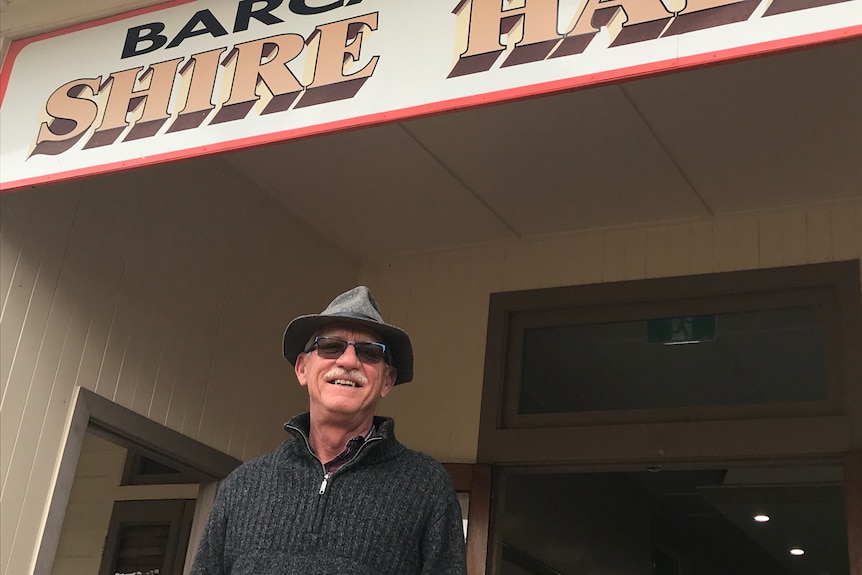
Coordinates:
<point>475,479</point>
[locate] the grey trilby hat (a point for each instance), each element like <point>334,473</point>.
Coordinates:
<point>357,307</point>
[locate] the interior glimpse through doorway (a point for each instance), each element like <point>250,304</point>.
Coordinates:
<point>775,519</point>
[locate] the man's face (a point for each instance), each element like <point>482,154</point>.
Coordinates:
<point>345,386</point>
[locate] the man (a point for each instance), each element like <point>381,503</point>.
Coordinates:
<point>342,496</point>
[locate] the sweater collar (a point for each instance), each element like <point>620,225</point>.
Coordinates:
<point>383,426</point>
<point>299,426</point>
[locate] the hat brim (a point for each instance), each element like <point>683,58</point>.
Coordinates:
<point>300,330</point>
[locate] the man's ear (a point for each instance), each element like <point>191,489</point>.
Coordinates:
<point>299,369</point>
<point>388,381</point>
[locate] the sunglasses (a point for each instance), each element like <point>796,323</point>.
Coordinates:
<point>334,347</point>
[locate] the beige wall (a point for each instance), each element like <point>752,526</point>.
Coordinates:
<point>24,18</point>
<point>165,295</point>
<point>442,298</point>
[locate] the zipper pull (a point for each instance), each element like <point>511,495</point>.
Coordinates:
<point>323,485</point>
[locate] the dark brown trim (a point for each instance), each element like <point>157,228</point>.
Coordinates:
<point>134,431</point>
<point>850,326</point>
<point>479,520</point>
<point>692,286</point>
<point>461,475</point>
<point>652,444</point>
<point>474,479</point>
<point>853,494</point>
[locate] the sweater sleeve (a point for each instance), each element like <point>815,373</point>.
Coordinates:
<point>443,547</point>
<point>209,559</point>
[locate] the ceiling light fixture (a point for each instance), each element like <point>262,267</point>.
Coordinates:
<point>761,517</point>
<point>797,551</point>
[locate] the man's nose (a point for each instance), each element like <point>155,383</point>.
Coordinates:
<point>349,358</point>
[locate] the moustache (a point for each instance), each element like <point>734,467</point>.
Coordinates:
<point>353,374</point>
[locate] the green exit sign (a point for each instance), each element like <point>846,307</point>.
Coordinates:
<point>681,330</point>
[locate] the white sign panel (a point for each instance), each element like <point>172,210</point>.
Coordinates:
<point>199,77</point>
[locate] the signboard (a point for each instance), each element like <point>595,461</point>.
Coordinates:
<point>198,77</point>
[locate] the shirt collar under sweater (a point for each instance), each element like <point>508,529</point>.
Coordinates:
<point>354,444</point>
<point>382,444</point>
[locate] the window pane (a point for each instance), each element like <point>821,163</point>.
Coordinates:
<point>729,359</point>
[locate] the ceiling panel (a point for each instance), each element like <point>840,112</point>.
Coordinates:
<point>766,132</point>
<point>572,161</point>
<point>372,191</point>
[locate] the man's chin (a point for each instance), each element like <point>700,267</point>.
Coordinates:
<point>344,404</point>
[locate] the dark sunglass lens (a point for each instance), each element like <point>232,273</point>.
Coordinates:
<point>331,349</point>
<point>369,352</point>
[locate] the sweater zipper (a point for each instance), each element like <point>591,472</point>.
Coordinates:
<point>318,506</point>
<point>324,485</point>
<point>325,481</point>
<point>327,475</point>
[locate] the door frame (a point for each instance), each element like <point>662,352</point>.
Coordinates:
<point>475,480</point>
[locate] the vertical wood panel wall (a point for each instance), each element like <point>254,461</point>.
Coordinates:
<point>442,298</point>
<point>165,294</point>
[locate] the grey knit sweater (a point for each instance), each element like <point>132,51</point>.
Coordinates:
<point>390,510</point>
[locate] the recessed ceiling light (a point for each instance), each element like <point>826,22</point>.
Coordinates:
<point>797,551</point>
<point>761,517</point>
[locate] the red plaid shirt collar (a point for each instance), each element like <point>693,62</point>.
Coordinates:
<point>350,451</point>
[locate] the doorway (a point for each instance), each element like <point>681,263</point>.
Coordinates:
<point>116,523</point>
<point>118,468</point>
<point>770,519</point>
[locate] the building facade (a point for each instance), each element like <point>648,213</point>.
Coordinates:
<point>164,288</point>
